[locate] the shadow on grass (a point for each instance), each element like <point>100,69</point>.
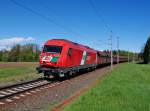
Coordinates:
<point>141,62</point>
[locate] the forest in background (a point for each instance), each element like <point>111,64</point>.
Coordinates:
<point>21,53</point>
<point>31,52</point>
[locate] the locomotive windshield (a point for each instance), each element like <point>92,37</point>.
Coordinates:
<point>52,49</point>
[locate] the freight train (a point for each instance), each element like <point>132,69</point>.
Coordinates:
<point>62,58</point>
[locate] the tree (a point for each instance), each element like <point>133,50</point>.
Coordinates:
<point>1,55</point>
<point>14,54</point>
<point>22,53</point>
<point>5,56</point>
<point>146,53</point>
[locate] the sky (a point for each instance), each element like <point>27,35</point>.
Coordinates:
<point>87,22</point>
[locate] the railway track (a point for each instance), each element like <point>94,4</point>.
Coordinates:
<point>10,93</point>
<point>16,89</point>
<point>14,92</point>
<point>34,95</point>
<point>20,90</point>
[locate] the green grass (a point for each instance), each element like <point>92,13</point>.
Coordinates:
<point>127,88</point>
<point>18,72</point>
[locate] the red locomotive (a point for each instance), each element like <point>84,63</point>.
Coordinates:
<point>61,57</point>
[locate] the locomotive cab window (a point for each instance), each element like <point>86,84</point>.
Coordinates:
<point>70,51</point>
<point>52,49</point>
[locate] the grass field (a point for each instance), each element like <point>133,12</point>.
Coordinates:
<point>127,88</point>
<point>17,71</point>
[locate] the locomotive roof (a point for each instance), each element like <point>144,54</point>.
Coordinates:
<point>72,43</point>
<point>104,53</point>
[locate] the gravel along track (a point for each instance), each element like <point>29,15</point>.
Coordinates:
<point>20,83</point>
<point>11,90</point>
<point>53,94</point>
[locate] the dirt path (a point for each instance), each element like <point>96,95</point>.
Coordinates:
<point>17,64</point>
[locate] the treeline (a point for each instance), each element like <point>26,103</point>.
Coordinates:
<point>21,53</point>
<point>145,53</point>
<point>31,52</point>
<point>125,53</point>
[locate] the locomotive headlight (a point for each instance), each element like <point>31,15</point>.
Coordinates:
<point>43,59</point>
<point>47,58</point>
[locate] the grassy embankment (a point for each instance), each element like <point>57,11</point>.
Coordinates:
<point>127,88</point>
<point>17,71</point>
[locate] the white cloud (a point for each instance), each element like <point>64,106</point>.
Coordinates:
<point>5,43</point>
<point>29,39</point>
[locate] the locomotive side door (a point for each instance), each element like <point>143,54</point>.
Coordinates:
<point>69,57</point>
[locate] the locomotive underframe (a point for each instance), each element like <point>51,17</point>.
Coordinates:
<point>61,72</point>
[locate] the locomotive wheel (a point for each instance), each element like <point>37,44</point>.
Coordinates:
<point>57,77</point>
<point>67,76</point>
<point>46,75</point>
<point>70,73</point>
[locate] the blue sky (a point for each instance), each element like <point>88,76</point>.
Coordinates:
<point>128,19</point>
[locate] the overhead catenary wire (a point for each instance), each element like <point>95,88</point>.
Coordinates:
<point>99,15</point>
<point>47,18</point>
